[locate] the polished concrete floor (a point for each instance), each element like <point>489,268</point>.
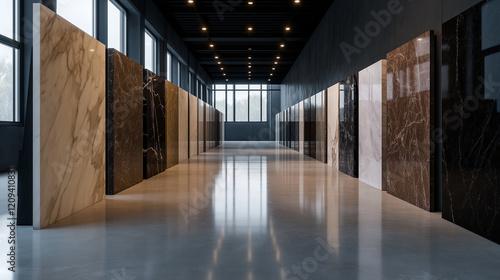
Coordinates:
<point>249,211</point>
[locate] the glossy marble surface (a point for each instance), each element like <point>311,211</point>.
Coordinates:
<point>372,95</point>
<point>172,122</point>
<point>154,139</point>
<point>124,112</point>
<point>333,126</point>
<point>409,122</point>
<point>348,126</point>
<point>183,123</point>
<point>253,211</point>
<point>69,110</point>
<point>193,126</point>
<point>471,120</point>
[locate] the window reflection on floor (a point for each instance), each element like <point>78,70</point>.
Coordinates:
<point>240,196</point>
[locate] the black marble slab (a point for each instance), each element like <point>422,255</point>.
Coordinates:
<point>348,113</point>
<point>154,138</point>
<point>124,123</point>
<point>471,120</point>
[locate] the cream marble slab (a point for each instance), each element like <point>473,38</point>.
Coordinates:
<point>333,126</point>
<point>372,93</point>
<point>183,125</point>
<point>193,126</point>
<point>69,89</point>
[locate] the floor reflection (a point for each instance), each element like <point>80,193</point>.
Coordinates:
<point>254,211</point>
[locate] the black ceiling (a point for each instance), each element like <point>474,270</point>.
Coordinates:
<point>227,23</point>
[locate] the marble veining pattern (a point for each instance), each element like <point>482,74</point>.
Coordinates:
<point>321,127</point>
<point>372,94</point>
<point>154,138</point>
<point>301,127</point>
<point>471,120</point>
<point>183,125</point>
<point>409,122</point>
<point>348,126</point>
<point>193,126</point>
<point>69,89</point>
<point>172,124</point>
<point>124,108</point>
<point>333,126</point>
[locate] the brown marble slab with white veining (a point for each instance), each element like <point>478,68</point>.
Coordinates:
<point>409,122</point>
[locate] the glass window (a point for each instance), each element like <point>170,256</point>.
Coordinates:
<point>9,63</point>
<point>241,86</point>
<point>255,100</point>
<point>230,106</point>
<point>117,24</point>
<point>169,67</point>
<point>7,84</point>
<point>80,13</point>
<point>241,98</point>
<point>178,74</point>
<point>230,86</point>
<point>264,106</point>
<point>255,87</point>
<point>149,51</point>
<point>220,86</point>
<point>7,24</point>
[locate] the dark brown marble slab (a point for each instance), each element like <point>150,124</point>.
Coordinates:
<point>410,90</point>
<point>154,139</point>
<point>124,122</point>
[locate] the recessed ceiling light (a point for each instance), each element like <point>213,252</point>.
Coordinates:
<point>204,28</point>
<point>218,62</point>
<point>269,79</point>
<point>224,74</point>
<point>249,57</point>
<point>249,78</point>
<point>250,2</point>
<point>190,1</point>
<point>278,57</point>
<point>274,68</point>
<point>249,72</point>
<point>249,66</point>
<point>249,49</point>
<point>297,1</point>
<point>227,80</point>
<point>271,74</point>
<point>216,57</point>
<point>250,28</point>
<point>282,45</point>
<point>287,28</point>
<point>211,45</point>
<point>249,63</point>
<point>275,62</point>
<point>222,68</point>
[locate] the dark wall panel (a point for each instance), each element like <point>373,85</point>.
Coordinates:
<point>348,128</point>
<point>322,63</point>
